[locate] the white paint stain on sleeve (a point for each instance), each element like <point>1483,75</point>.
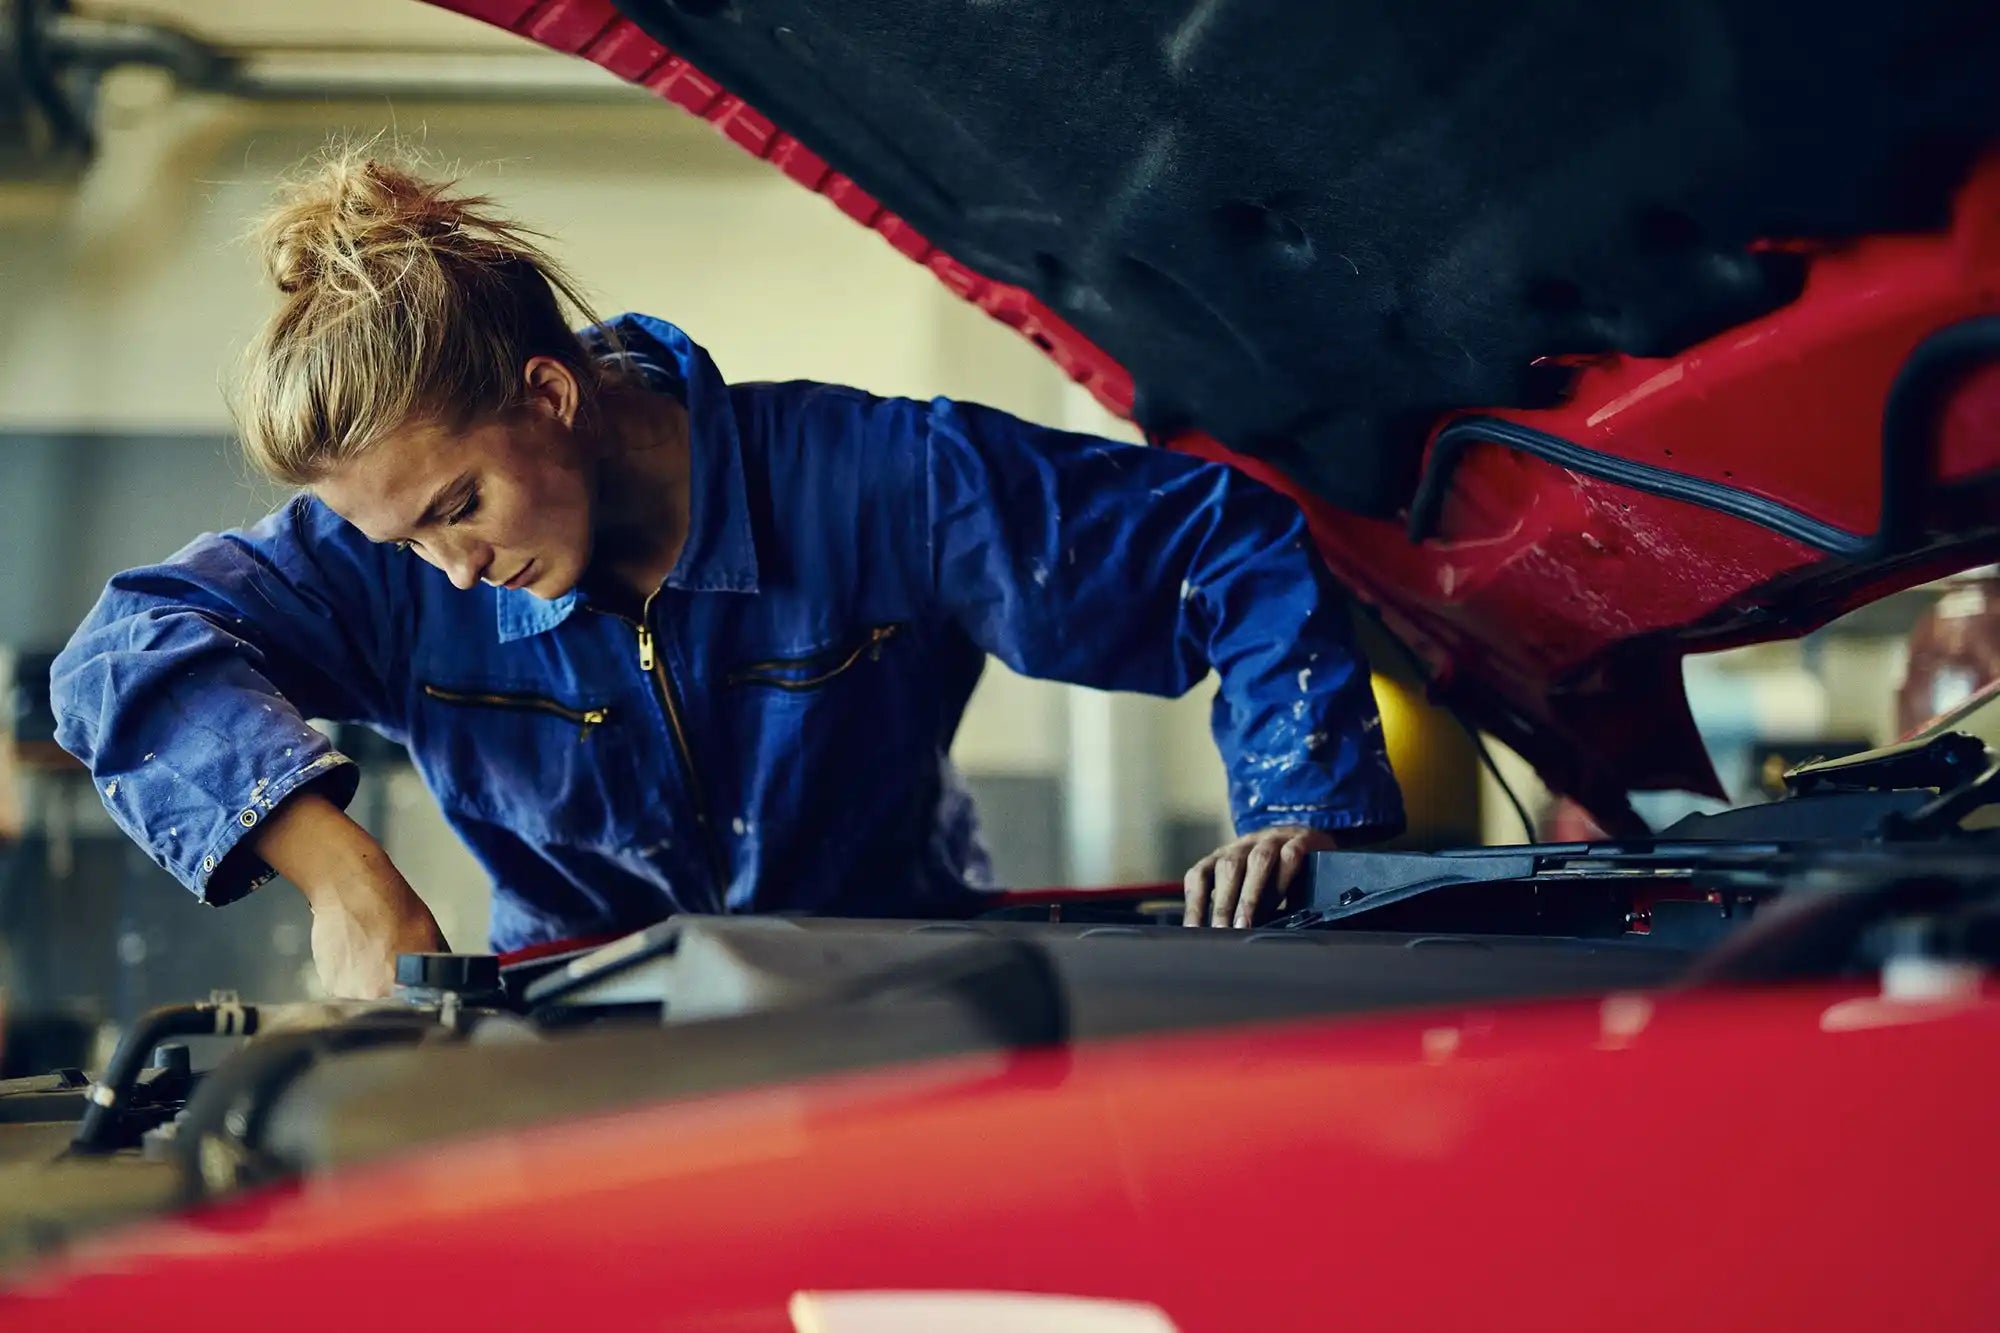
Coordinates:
<point>1305,679</point>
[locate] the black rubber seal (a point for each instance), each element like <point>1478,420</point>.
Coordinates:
<point>1455,439</point>
<point>1910,416</point>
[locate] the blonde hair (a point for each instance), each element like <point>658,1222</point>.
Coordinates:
<point>403,300</point>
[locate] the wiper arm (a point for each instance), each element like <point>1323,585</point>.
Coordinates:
<point>1937,762</point>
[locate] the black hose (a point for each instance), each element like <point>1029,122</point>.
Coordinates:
<point>254,1080</point>
<point>213,1018</point>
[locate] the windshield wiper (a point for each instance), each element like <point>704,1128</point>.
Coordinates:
<point>1937,762</point>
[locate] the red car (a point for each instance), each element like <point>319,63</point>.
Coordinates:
<point>1586,338</point>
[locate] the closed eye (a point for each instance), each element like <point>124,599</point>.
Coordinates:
<point>465,510</point>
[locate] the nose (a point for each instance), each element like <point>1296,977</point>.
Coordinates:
<point>464,565</point>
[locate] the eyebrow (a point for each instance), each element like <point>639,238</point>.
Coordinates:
<point>442,500</point>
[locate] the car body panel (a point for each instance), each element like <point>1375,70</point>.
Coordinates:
<point>1805,1157</point>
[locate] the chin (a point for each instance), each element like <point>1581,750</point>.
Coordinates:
<point>549,585</point>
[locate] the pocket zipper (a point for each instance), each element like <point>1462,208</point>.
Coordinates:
<point>585,718</point>
<point>765,673</point>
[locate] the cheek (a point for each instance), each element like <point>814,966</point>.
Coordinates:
<point>552,511</point>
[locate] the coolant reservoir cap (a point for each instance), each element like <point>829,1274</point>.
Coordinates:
<point>448,971</point>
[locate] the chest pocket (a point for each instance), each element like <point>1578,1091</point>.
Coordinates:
<point>584,719</point>
<point>552,769</point>
<point>804,673</point>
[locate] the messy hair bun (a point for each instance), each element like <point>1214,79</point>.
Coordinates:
<point>402,299</point>
<point>358,224</point>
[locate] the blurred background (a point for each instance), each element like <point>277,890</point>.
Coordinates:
<point>127,292</point>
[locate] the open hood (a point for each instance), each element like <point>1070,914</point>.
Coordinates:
<point>1585,337</point>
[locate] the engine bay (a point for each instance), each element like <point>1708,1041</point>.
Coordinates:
<point>700,1005</point>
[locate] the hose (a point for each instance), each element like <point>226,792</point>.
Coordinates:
<point>220,1017</point>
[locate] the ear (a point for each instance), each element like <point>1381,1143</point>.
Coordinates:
<point>551,386</point>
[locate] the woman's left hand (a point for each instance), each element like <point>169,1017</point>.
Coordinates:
<point>1227,886</point>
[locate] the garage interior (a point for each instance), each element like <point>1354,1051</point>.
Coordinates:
<point>127,286</point>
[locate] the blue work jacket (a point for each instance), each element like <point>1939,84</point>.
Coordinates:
<point>776,736</point>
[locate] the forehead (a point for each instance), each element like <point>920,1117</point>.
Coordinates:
<point>384,491</point>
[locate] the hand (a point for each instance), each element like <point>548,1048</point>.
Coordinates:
<point>364,911</point>
<point>355,946</point>
<point>1227,886</point>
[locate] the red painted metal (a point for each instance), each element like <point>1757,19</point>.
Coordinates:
<point>550,948</point>
<point>1551,607</point>
<point>1787,1159</point>
<point>1541,582</point>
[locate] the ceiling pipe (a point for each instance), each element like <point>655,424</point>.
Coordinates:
<point>95,44</point>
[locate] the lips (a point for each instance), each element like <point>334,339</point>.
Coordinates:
<point>520,578</point>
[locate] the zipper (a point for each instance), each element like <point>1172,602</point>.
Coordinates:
<point>650,663</point>
<point>764,673</point>
<point>585,718</point>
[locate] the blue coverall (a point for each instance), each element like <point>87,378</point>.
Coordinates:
<point>775,737</point>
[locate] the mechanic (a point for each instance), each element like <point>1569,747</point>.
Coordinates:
<point>656,642</point>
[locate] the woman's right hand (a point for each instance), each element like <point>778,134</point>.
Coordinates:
<point>364,911</point>
<point>355,940</point>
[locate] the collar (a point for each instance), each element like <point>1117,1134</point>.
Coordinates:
<point>720,554</point>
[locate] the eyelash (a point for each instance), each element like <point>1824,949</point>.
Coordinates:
<point>465,511</point>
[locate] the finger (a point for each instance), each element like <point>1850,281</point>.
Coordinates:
<point>1256,879</point>
<point>1195,892</point>
<point>1228,883</point>
<point>1291,859</point>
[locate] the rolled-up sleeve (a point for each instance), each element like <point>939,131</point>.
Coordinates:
<point>188,687</point>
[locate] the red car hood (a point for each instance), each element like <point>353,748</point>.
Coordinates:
<point>1584,343</point>
<point>1803,1159</point>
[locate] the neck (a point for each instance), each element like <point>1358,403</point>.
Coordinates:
<point>642,491</point>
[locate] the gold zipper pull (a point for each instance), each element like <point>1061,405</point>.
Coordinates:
<point>594,718</point>
<point>645,648</point>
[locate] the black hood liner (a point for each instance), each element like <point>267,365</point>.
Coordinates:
<point>1308,228</point>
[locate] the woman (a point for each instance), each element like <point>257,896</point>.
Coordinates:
<point>656,642</point>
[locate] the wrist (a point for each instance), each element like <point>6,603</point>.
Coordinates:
<point>334,862</point>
